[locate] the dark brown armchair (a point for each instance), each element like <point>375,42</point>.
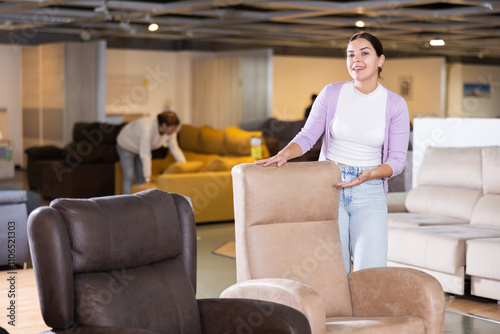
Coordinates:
<point>127,264</point>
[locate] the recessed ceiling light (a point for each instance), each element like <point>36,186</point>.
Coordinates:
<point>85,35</point>
<point>436,42</point>
<point>153,27</point>
<point>360,24</point>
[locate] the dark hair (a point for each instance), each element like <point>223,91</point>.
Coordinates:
<point>168,117</point>
<point>374,41</point>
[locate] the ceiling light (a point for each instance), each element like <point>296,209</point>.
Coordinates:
<point>436,42</point>
<point>85,34</point>
<point>360,24</point>
<point>488,5</point>
<point>153,27</point>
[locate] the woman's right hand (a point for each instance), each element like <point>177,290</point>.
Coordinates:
<point>278,159</point>
<point>292,150</point>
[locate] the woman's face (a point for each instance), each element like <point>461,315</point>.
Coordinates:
<point>362,60</point>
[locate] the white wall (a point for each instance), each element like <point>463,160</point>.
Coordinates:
<point>428,83</point>
<point>10,96</point>
<point>477,107</point>
<point>147,82</point>
<point>296,78</point>
<point>451,132</point>
<point>139,82</point>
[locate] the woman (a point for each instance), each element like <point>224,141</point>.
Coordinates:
<point>366,130</point>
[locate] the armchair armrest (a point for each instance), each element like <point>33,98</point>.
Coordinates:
<point>379,292</point>
<point>250,316</point>
<point>44,152</point>
<point>283,291</point>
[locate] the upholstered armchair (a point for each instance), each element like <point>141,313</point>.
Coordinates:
<point>288,251</point>
<point>127,264</point>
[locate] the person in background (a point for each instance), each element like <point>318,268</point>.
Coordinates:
<point>136,141</point>
<point>308,109</point>
<point>366,133</point>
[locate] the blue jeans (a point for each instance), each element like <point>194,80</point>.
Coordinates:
<point>130,162</point>
<point>363,221</point>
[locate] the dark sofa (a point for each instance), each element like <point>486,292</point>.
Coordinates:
<point>277,134</point>
<point>83,168</point>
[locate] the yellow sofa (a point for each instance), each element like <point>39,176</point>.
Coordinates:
<point>206,176</point>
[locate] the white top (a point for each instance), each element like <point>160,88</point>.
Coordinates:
<point>358,129</point>
<point>143,136</point>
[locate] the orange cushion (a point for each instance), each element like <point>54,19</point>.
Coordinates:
<point>189,138</point>
<point>212,141</point>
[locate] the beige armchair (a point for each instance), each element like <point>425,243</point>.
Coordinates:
<point>288,251</point>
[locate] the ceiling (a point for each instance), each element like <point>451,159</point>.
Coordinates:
<point>470,29</point>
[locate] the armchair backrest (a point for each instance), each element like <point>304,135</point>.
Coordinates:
<point>286,223</point>
<point>123,261</point>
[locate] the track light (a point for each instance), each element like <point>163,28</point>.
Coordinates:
<point>360,24</point>
<point>105,11</point>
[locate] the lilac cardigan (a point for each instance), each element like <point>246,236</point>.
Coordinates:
<point>397,127</point>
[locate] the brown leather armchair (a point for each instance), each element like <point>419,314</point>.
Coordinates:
<point>127,264</point>
<point>288,251</point>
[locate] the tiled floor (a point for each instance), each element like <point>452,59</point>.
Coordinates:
<point>215,272</point>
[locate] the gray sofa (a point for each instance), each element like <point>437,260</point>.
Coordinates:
<point>450,227</point>
<point>13,230</point>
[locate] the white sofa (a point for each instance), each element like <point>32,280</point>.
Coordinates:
<point>451,227</point>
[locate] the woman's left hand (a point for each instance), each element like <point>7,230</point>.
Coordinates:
<point>365,176</point>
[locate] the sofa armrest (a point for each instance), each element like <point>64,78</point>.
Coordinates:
<point>283,291</point>
<point>389,291</point>
<point>396,201</point>
<point>233,315</point>
<point>44,152</point>
<point>211,193</point>
<point>13,196</point>
<point>100,330</point>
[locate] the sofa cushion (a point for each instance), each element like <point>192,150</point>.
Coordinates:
<point>222,164</point>
<point>282,130</point>
<point>184,167</point>
<point>238,141</point>
<point>233,161</point>
<point>451,167</point>
<point>440,248</point>
<point>491,166</point>
<point>216,165</point>
<point>189,138</point>
<point>212,141</point>
<point>483,258</point>
<point>487,211</point>
<point>96,133</point>
<point>446,201</point>
<point>421,219</point>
